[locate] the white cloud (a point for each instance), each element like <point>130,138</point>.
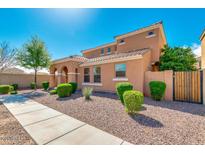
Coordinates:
<point>196,48</point>
<point>29,71</point>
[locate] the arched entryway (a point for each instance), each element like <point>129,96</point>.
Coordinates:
<point>64,76</point>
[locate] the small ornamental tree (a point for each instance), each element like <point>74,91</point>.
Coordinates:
<point>177,59</point>
<point>7,56</point>
<point>34,55</point>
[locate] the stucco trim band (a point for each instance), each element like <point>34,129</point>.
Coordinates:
<point>120,79</point>
<point>91,84</point>
<point>73,73</point>
<point>112,60</point>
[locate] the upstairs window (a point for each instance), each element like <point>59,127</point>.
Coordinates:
<point>122,42</point>
<point>150,34</point>
<point>86,75</point>
<point>120,70</point>
<point>108,51</point>
<point>97,74</point>
<point>102,52</point>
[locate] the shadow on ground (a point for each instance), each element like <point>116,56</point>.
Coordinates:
<point>34,94</point>
<point>146,121</point>
<point>196,109</point>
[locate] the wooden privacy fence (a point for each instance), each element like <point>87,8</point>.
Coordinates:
<point>188,86</point>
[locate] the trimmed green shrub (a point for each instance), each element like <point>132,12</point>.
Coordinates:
<point>45,85</point>
<point>157,89</point>
<point>133,101</point>
<point>64,90</point>
<point>74,86</point>
<point>33,85</point>
<point>13,92</point>
<point>5,89</point>
<point>53,92</point>
<point>121,88</point>
<point>87,92</point>
<point>15,85</point>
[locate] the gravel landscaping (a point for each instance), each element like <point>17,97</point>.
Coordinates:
<point>11,132</point>
<point>157,123</point>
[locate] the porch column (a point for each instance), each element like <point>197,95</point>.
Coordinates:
<point>59,76</point>
<point>52,80</point>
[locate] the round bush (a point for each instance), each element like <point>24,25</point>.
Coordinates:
<point>5,89</point>
<point>74,86</point>
<point>15,85</point>
<point>45,85</point>
<point>121,88</point>
<point>33,85</point>
<point>133,101</point>
<point>53,92</point>
<point>64,90</point>
<point>157,89</point>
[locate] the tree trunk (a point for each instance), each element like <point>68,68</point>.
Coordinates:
<point>35,79</point>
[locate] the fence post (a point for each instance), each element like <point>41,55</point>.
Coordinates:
<point>168,79</point>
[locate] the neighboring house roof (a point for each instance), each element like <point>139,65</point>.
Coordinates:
<point>14,70</point>
<point>123,56</point>
<point>70,58</point>
<point>202,35</point>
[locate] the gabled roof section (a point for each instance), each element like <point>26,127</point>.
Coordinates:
<point>202,35</point>
<point>70,58</point>
<point>123,56</point>
<point>99,47</point>
<point>144,29</point>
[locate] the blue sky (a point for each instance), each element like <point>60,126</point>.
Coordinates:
<point>68,31</point>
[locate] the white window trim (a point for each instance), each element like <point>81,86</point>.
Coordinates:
<point>91,84</point>
<point>108,53</point>
<point>150,36</point>
<point>120,79</point>
<point>121,43</point>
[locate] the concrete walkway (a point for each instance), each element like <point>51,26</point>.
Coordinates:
<point>48,126</point>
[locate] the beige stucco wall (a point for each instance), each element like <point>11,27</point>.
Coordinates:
<point>203,53</point>
<point>139,41</point>
<point>23,80</point>
<point>134,72</point>
<point>166,76</point>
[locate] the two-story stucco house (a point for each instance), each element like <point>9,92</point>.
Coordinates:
<point>202,38</point>
<point>125,59</point>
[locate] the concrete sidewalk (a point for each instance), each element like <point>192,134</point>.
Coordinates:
<point>48,126</point>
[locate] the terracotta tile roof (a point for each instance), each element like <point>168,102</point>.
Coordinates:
<point>71,58</point>
<point>113,57</point>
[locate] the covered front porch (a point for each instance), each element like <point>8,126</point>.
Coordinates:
<point>64,73</point>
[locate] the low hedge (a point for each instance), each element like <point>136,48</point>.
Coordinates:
<point>157,89</point>
<point>15,86</point>
<point>45,85</point>
<point>133,101</point>
<point>5,89</point>
<point>33,85</point>
<point>74,86</point>
<point>64,90</point>
<point>121,88</point>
